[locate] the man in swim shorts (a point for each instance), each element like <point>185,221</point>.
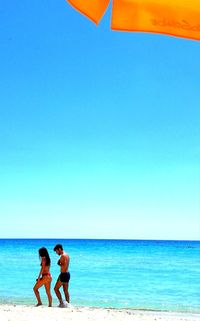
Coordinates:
<point>64,277</point>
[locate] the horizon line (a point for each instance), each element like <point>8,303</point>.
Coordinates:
<point>98,239</point>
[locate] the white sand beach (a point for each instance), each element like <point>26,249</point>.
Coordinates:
<point>43,313</point>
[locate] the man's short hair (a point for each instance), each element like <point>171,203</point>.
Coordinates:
<point>57,247</point>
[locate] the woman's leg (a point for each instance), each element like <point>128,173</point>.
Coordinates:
<point>48,292</point>
<point>38,285</point>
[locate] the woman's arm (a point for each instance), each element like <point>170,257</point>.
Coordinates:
<point>42,267</point>
<point>39,274</point>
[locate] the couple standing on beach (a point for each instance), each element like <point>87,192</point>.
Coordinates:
<point>45,278</point>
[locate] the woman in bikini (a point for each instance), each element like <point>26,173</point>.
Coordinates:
<point>44,277</point>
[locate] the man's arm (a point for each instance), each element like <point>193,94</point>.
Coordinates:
<point>62,260</point>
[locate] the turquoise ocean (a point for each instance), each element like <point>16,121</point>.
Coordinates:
<point>135,274</point>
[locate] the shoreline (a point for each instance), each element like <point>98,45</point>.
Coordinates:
<point>14,312</point>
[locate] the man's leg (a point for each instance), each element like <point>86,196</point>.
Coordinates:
<point>66,292</point>
<point>57,291</point>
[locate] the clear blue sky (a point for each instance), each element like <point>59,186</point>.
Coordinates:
<point>99,130</point>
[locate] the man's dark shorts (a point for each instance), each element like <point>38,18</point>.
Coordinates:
<point>64,277</point>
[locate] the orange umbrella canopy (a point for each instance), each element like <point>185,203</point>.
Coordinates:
<point>172,17</point>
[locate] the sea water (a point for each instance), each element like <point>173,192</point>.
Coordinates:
<point>136,274</point>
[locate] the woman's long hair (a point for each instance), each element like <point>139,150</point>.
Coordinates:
<point>44,253</point>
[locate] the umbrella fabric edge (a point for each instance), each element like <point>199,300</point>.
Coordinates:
<point>93,10</point>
